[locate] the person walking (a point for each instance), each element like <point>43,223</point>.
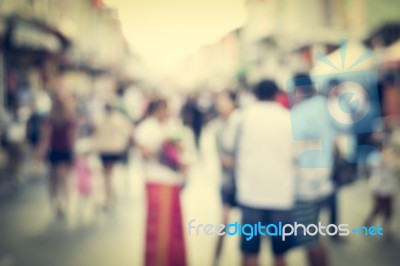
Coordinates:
<point>226,106</point>
<point>193,117</point>
<point>260,138</point>
<point>160,146</point>
<point>313,132</point>
<point>57,141</point>
<point>112,138</point>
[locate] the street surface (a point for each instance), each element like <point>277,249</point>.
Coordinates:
<point>29,234</point>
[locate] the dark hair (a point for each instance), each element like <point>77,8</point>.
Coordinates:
<point>266,90</point>
<point>233,96</point>
<point>152,107</point>
<point>304,84</point>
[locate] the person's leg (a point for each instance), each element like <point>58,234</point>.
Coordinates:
<point>250,247</point>
<point>333,208</point>
<point>15,163</point>
<point>317,255</point>
<point>225,220</point>
<point>125,162</point>
<point>53,186</point>
<point>63,186</point>
<point>316,251</point>
<point>279,261</point>
<point>108,192</point>
<point>373,213</point>
<point>280,247</point>
<point>333,214</point>
<point>250,259</point>
<point>387,212</point>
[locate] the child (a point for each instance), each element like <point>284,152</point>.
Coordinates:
<point>84,178</point>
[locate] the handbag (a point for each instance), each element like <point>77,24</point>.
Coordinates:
<point>171,155</point>
<point>343,172</point>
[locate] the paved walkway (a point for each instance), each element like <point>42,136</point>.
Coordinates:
<point>30,236</point>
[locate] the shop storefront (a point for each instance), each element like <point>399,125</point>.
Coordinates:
<point>31,52</point>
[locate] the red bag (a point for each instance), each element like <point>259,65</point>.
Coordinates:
<point>171,155</point>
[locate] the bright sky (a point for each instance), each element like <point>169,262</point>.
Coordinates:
<point>163,32</point>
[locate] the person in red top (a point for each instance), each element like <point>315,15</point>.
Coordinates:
<point>57,142</point>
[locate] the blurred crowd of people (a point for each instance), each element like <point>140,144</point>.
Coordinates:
<point>283,165</point>
<point>283,157</point>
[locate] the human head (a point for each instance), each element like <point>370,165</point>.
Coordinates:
<point>158,108</point>
<point>266,90</point>
<point>226,103</point>
<point>62,106</point>
<point>303,87</point>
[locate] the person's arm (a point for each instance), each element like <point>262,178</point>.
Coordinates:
<point>145,152</point>
<point>45,134</point>
<point>143,141</point>
<point>231,138</point>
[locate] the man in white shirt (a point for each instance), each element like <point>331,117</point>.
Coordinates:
<point>261,138</point>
